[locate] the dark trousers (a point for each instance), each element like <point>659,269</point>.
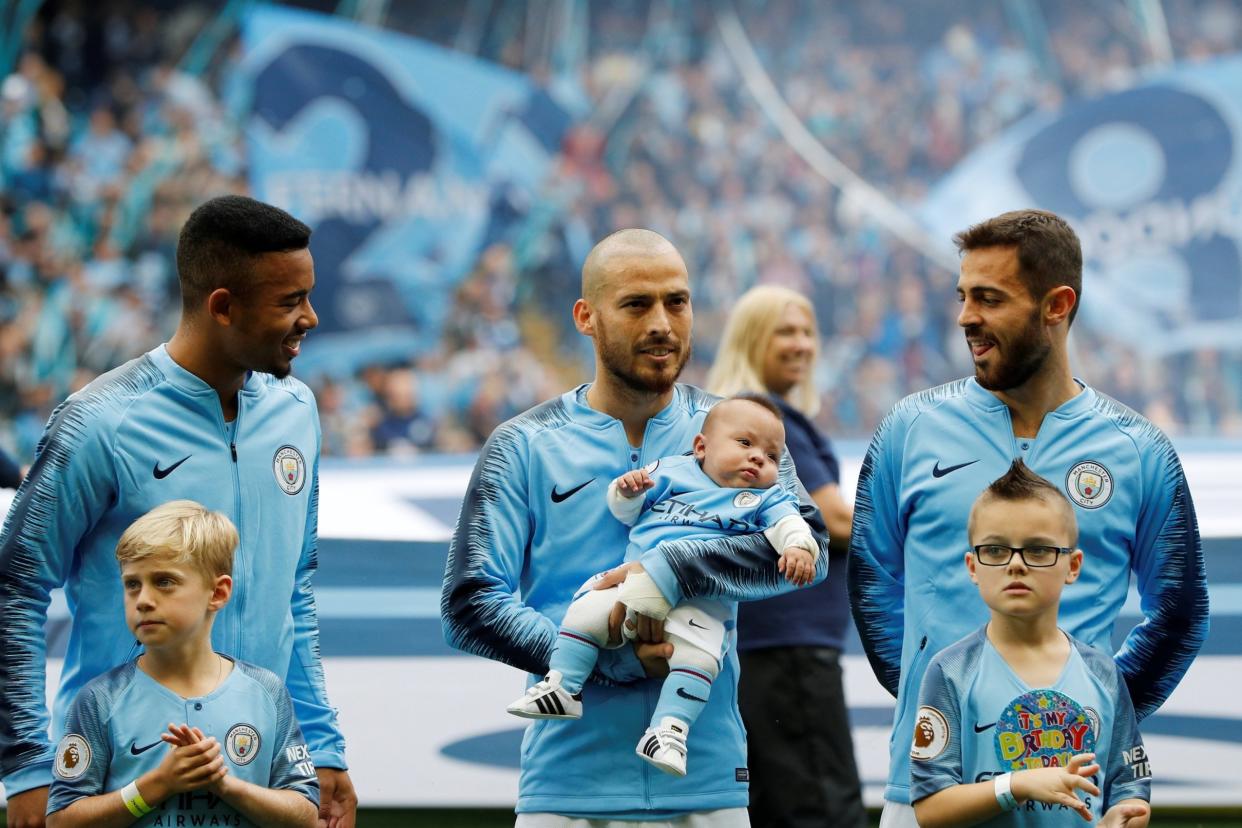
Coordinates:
<point>801,756</point>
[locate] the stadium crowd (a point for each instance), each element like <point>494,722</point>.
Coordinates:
<point>110,135</point>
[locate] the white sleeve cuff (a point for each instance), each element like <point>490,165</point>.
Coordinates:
<point>624,509</point>
<point>792,530</point>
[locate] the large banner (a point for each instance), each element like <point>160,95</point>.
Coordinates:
<point>1151,179</point>
<point>404,157</point>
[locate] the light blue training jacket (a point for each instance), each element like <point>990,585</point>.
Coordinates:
<point>533,527</point>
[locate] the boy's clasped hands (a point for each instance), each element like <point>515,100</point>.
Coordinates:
<point>194,763</point>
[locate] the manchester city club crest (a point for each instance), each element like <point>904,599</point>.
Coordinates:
<point>242,744</point>
<point>1089,485</point>
<point>290,469</point>
<point>744,500</point>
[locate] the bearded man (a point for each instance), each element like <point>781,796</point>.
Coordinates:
<point>534,526</point>
<point>1019,288</point>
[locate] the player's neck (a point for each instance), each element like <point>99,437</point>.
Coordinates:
<point>632,407</point>
<point>189,668</point>
<point>1033,646</point>
<point>1050,388</point>
<point>190,349</point>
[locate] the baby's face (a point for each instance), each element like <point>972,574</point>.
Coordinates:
<point>741,446</point>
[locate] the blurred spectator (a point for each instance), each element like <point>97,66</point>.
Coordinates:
<point>107,142</point>
<point>791,693</point>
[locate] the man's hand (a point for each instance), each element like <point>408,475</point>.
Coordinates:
<point>338,804</point>
<point>633,483</point>
<point>654,657</point>
<point>798,566</point>
<point>1128,813</point>
<point>28,809</point>
<point>616,618</point>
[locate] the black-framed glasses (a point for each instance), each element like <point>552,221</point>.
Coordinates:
<point>993,554</point>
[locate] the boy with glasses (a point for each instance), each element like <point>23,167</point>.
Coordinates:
<point>1019,723</point>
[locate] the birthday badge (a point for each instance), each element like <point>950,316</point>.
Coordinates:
<point>1043,729</point>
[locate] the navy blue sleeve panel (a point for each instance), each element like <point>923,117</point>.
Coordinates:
<point>1127,773</point>
<point>479,607</point>
<point>10,472</point>
<point>71,484</point>
<point>85,750</point>
<point>305,678</point>
<point>876,570</point>
<point>939,706</point>
<point>734,568</point>
<point>1170,576</point>
<point>292,769</point>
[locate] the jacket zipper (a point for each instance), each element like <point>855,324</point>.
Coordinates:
<point>242,577</point>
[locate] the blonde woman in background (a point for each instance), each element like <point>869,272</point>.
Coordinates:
<point>801,756</point>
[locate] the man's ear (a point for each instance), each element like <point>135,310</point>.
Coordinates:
<point>584,318</point>
<point>1058,303</point>
<point>220,306</point>
<point>970,566</point>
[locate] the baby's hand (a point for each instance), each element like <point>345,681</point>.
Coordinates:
<point>633,483</point>
<point>798,566</point>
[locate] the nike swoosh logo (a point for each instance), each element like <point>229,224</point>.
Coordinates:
<point>134,749</point>
<point>682,692</point>
<point>980,728</point>
<point>160,474</point>
<point>939,472</point>
<point>558,497</point>
<point>699,626</point>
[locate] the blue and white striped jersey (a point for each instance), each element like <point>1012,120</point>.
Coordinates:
<point>112,736</point>
<point>141,435</point>
<point>977,719</point>
<point>533,527</point>
<point>928,461</point>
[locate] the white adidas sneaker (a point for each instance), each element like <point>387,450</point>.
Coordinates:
<point>665,746</point>
<point>548,700</point>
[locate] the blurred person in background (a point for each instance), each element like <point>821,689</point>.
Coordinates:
<point>791,695</point>
<point>11,474</point>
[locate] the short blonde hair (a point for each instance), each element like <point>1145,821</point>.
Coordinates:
<point>184,533</point>
<point>744,345</point>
